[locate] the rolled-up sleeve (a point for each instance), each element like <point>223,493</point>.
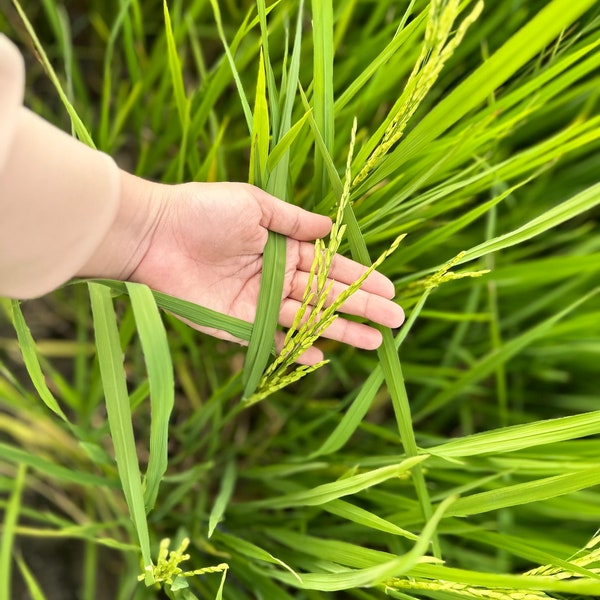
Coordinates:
<point>58,198</point>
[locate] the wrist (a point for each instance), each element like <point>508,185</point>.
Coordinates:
<point>127,240</point>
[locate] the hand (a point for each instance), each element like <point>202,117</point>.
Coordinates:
<point>206,244</point>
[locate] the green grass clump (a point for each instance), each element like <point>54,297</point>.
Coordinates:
<point>458,461</point>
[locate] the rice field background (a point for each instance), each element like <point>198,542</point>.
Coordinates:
<point>461,459</point>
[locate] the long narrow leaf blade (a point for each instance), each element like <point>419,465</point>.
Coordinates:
<point>119,414</point>
<point>155,347</point>
<point>32,363</point>
<point>267,312</point>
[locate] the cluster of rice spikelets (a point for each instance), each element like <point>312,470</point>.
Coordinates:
<point>464,589</point>
<point>313,316</point>
<point>437,48</point>
<point>167,570</point>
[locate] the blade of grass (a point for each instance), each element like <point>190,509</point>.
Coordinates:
<point>259,149</point>
<point>155,347</point>
<point>250,550</point>
<point>50,469</point>
<point>103,129</point>
<point>181,99</point>
<point>78,126</point>
<point>31,360</point>
<point>271,86</point>
<point>223,497</point>
<point>199,315</point>
<point>355,414</point>
<point>337,489</point>
<point>525,550</point>
<point>322,21</point>
<point>519,437</point>
<point>119,415</point>
<point>267,312</point>
<point>283,146</point>
<point>353,513</point>
<point>238,82</point>
<point>357,578</point>
<point>379,62</point>
<point>525,493</point>
<point>582,202</point>
<point>33,587</point>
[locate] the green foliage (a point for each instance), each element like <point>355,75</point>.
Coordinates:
<point>470,437</point>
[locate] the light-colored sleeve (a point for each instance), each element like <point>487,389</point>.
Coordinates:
<point>58,198</point>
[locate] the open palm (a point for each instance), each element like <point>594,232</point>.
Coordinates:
<point>207,248</point>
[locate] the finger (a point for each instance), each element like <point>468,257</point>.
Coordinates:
<point>348,271</point>
<point>288,219</point>
<point>361,303</point>
<point>354,334</point>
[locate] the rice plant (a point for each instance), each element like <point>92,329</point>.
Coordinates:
<point>460,141</point>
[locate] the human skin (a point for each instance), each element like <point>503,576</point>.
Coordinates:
<point>203,242</point>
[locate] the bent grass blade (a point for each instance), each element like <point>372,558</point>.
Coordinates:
<point>155,348</point>
<point>119,414</point>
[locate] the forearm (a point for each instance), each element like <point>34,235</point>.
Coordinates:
<point>58,198</point>
<point>65,209</point>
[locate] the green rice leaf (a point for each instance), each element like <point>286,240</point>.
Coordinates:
<point>337,489</point>
<point>103,134</point>
<point>353,513</point>
<point>119,414</point>
<point>525,493</point>
<point>282,147</point>
<point>550,219</point>
<point>199,315</point>
<point>238,82</point>
<point>519,437</point>
<point>51,469</point>
<point>155,347</point>
<point>271,86</point>
<point>370,576</point>
<point>32,363</point>
<point>82,133</point>
<point>175,68</point>
<point>223,498</point>
<point>259,150</point>
<point>250,550</point>
<point>322,13</point>
<point>267,312</point>
<point>33,587</point>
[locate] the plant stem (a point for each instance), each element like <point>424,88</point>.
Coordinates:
<point>394,378</point>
